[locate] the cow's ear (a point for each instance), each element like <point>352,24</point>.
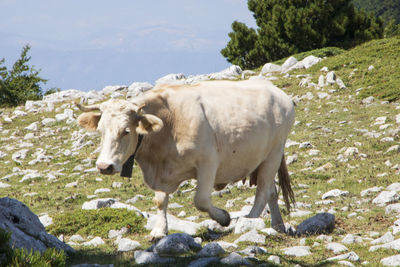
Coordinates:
<point>149,123</point>
<point>89,120</point>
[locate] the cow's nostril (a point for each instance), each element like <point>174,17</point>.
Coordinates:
<point>105,168</point>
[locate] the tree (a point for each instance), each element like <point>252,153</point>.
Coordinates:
<point>286,27</point>
<point>385,9</point>
<point>21,83</point>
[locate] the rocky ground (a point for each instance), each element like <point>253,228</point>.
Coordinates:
<point>343,155</point>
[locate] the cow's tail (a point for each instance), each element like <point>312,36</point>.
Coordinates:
<point>284,183</point>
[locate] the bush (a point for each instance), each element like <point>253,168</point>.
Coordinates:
<point>21,258</point>
<point>21,83</point>
<point>96,222</point>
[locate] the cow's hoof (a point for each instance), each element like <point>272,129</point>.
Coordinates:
<point>223,218</point>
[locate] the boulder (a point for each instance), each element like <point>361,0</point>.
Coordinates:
<point>174,223</point>
<point>318,224</point>
<point>176,244</point>
<point>26,229</point>
<point>245,224</point>
<point>270,67</point>
<point>138,88</point>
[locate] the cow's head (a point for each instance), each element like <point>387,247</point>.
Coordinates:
<point>119,123</point>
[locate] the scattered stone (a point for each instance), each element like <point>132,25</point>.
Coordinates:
<point>144,257</point>
<point>26,229</point>
<point>391,245</point>
<point>76,238</point>
<point>385,197</point>
<point>274,259</point>
<point>351,239</point>
<point>46,220</point>
<point>269,231</point>
<point>318,224</point>
<point>95,242</point>
<point>336,248</point>
<point>245,224</point>
<point>394,187</point>
<point>118,233</point>
<point>235,259</point>
<point>393,208</point>
<point>102,190</point>
<point>270,67</point>
<point>334,193</point>
<point>126,244</point>
<point>251,236</point>
<point>176,244</point>
<point>4,185</point>
<point>211,250</point>
<point>254,250</point>
<point>368,100</point>
<point>352,256</point>
<point>368,191</point>
<point>391,261</point>
<point>386,238</point>
<point>297,251</point>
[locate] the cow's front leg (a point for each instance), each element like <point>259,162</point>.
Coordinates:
<point>202,199</point>
<point>161,227</point>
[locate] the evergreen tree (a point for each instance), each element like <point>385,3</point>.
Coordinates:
<point>385,9</point>
<point>286,27</point>
<point>21,83</point>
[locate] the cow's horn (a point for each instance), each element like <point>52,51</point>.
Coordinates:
<point>139,110</point>
<point>87,108</point>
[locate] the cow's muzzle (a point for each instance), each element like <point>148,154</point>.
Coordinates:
<point>105,168</point>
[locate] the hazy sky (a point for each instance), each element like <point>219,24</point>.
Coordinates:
<point>88,44</point>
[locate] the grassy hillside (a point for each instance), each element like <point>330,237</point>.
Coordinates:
<point>332,120</point>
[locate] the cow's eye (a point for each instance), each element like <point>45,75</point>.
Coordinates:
<point>126,131</point>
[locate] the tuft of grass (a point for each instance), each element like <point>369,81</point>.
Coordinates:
<point>96,222</point>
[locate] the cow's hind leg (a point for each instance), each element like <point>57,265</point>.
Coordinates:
<point>161,227</point>
<point>266,190</point>
<point>202,200</point>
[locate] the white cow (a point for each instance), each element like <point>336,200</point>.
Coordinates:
<point>217,132</point>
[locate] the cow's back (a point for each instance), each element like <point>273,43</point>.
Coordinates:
<point>237,123</point>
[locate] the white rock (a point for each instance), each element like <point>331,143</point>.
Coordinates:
<point>170,78</point>
<point>394,187</point>
<point>270,67</point>
<point>126,244</point>
<point>76,238</point>
<point>138,88</point>
<point>393,208</point>
<point>391,261</point>
<point>227,245</point>
<point>331,78</point>
<point>269,231</point>
<point>385,197</point>
<point>291,61</point>
<point>48,121</point>
<point>19,155</point>
<point>352,256</point>
<point>351,239</point>
<point>227,74</point>
<point>32,127</point>
<point>386,238</point>
<point>368,100</point>
<point>334,193</point>
<point>72,184</point>
<point>251,236</point>
<point>46,220</point>
<point>368,191</point>
<point>274,259</point>
<point>391,245</point>
<point>4,185</point>
<point>95,242</point>
<point>174,206</point>
<point>117,233</point>
<point>102,190</point>
<point>350,151</point>
<point>336,247</point>
<point>245,224</point>
<point>346,263</point>
<point>310,61</point>
<point>297,251</point>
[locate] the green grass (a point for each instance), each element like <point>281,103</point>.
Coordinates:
<point>96,222</point>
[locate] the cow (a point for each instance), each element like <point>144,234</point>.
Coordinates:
<point>217,132</point>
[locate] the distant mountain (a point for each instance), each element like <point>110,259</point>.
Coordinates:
<point>386,9</point>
